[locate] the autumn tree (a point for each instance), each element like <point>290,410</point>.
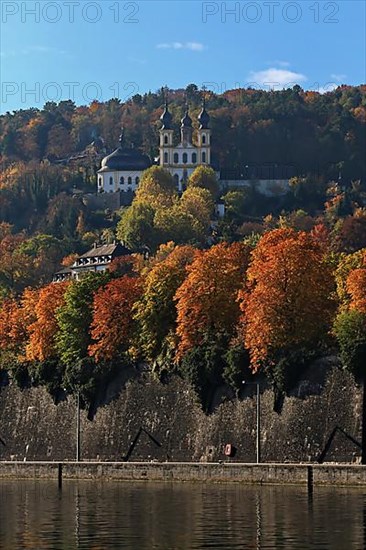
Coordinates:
<point>15,318</point>
<point>345,265</point>
<point>287,307</point>
<point>155,311</point>
<point>349,234</point>
<point>112,326</point>
<point>356,287</point>
<point>207,298</point>
<point>15,265</point>
<point>156,188</point>
<point>200,205</point>
<point>42,333</point>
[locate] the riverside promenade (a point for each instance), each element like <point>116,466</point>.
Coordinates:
<point>221,472</point>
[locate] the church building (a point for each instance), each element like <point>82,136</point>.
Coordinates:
<point>182,159</point>
<point>122,169</point>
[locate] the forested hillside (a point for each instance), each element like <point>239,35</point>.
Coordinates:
<point>272,284</point>
<point>317,133</point>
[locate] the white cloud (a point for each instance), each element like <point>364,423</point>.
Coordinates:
<point>275,78</point>
<point>193,46</point>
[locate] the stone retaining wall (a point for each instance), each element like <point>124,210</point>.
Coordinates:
<point>34,428</point>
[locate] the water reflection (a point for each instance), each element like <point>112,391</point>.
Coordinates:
<point>101,516</point>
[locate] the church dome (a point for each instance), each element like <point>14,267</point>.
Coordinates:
<point>166,118</point>
<point>186,121</point>
<point>125,159</point>
<point>204,119</point>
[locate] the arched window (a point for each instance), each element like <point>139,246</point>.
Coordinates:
<point>100,181</point>
<point>129,181</point>
<point>121,180</point>
<point>203,157</point>
<point>203,138</point>
<point>137,180</point>
<point>194,158</point>
<point>166,158</point>
<point>185,158</point>
<point>176,158</point>
<point>176,180</point>
<point>166,140</point>
<point>110,180</point>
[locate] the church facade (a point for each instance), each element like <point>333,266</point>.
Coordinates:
<point>182,159</point>
<point>122,169</point>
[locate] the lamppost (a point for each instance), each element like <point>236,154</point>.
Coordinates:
<point>77,433</point>
<point>78,426</point>
<point>258,419</point>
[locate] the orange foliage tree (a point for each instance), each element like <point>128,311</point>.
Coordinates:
<point>15,318</point>
<point>356,288</point>
<point>42,332</point>
<point>287,305</point>
<point>207,299</point>
<point>112,326</point>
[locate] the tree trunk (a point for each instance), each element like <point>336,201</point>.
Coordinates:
<point>363,440</point>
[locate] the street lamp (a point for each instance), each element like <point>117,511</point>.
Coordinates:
<point>78,426</point>
<point>77,439</point>
<point>258,419</point>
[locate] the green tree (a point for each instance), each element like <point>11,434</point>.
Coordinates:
<point>136,227</point>
<point>205,177</point>
<point>350,331</point>
<point>155,312</point>
<point>75,317</point>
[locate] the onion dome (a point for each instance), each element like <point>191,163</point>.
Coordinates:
<point>204,117</point>
<point>124,158</point>
<point>186,121</point>
<point>166,118</point>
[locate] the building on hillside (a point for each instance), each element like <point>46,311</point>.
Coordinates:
<point>182,159</point>
<point>97,259</point>
<point>122,169</point>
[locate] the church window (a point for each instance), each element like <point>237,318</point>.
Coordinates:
<point>166,157</point>
<point>121,180</point>
<point>194,158</point>
<point>176,180</point>
<point>166,140</point>
<point>129,181</point>
<point>185,158</point>
<point>176,158</point>
<point>203,157</point>
<point>137,180</point>
<point>100,182</point>
<point>203,138</point>
<point>111,181</point>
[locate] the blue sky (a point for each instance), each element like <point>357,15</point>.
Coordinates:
<point>54,50</point>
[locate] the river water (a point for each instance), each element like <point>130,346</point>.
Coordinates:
<point>145,515</point>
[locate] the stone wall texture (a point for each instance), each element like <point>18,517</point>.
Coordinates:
<point>34,428</point>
